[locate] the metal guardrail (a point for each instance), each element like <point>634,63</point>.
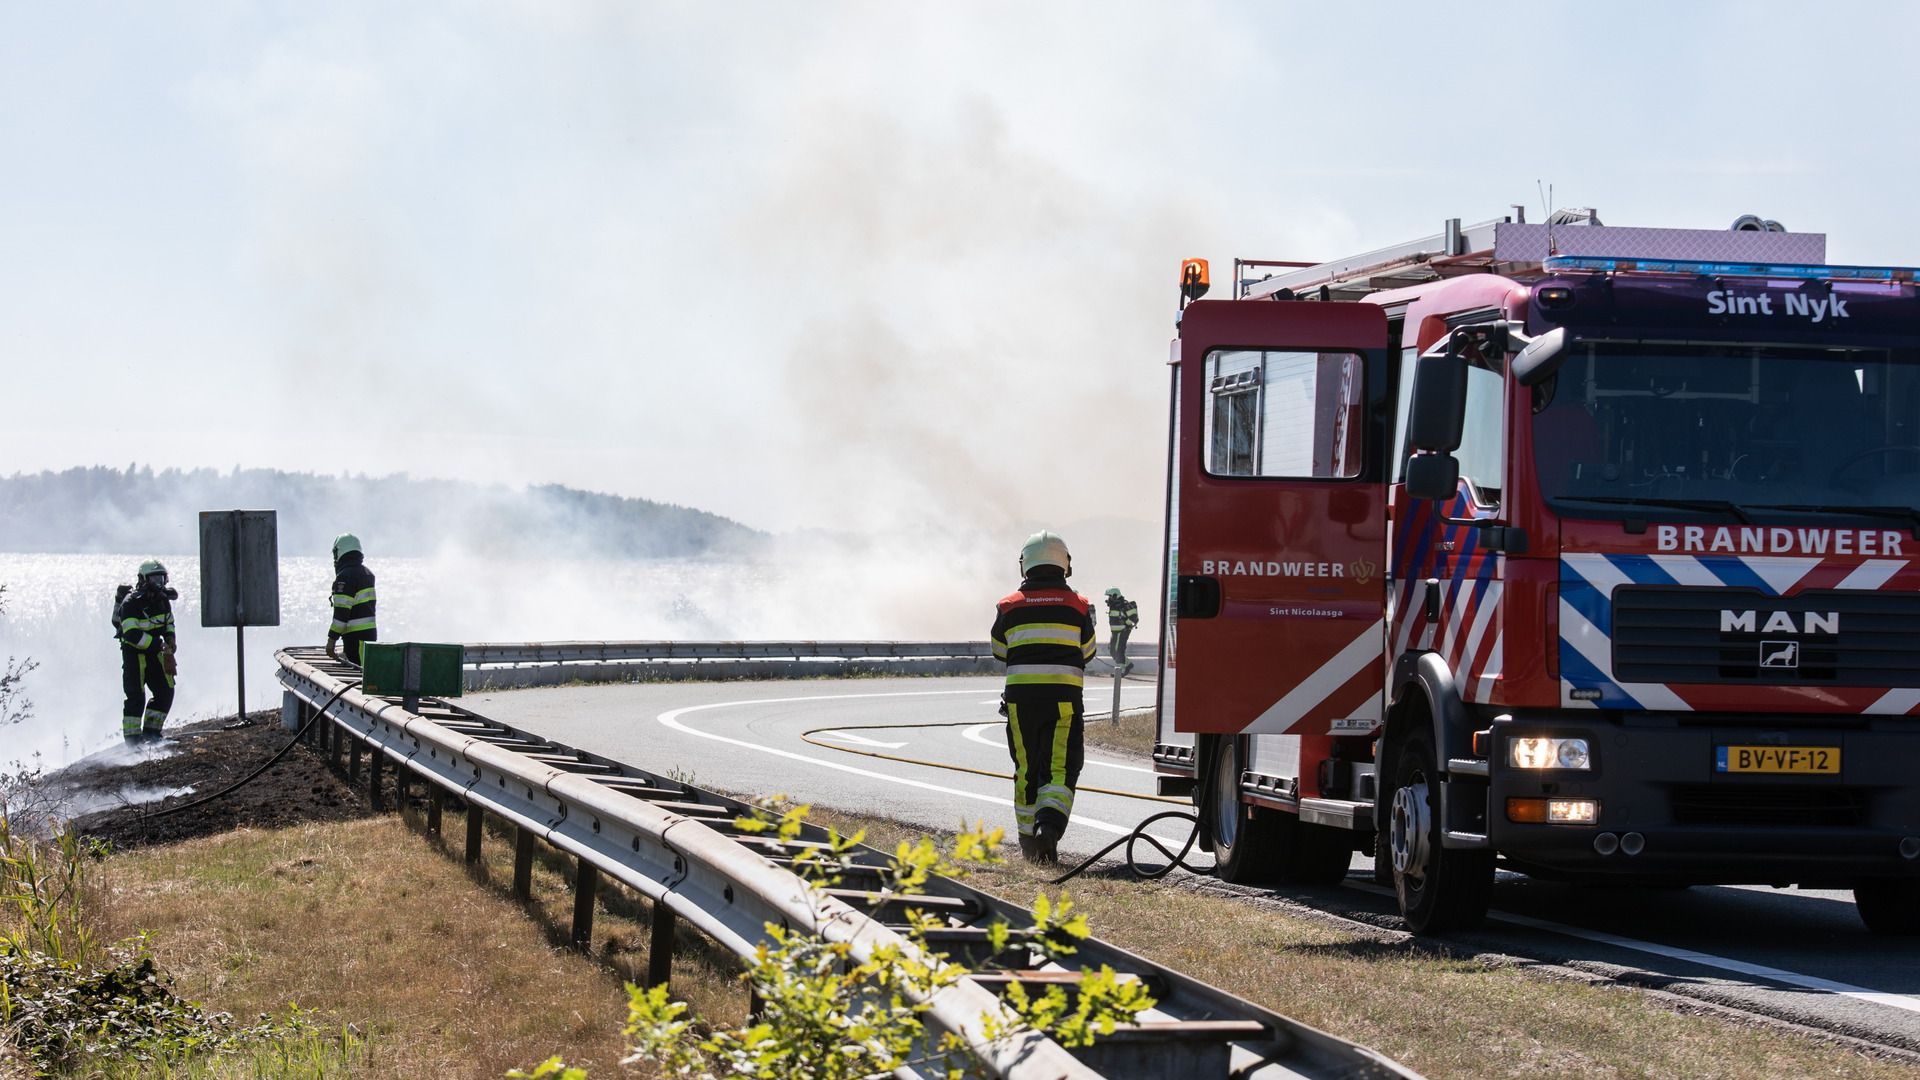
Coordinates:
<point>568,652</point>
<point>551,663</point>
<point>677,845</point>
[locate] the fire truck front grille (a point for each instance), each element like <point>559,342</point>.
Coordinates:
<point>1820,638</point>
<point>1769,804</point>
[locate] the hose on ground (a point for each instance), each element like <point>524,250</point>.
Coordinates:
<point>1139,833</point>
<point>1132,863</point>
<point>270,762</point>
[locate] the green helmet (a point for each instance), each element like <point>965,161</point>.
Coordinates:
<point>151,566</point>
<point>1114,593</point>
<point>1045,549</point>
<point>343,544</point>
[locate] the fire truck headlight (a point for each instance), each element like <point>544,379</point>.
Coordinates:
<point>1571,753</point>
<point>1540,752</point>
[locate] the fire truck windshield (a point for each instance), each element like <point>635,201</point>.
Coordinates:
<point>1723,427</point>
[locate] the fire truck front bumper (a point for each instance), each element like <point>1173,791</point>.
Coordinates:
<point>1753,800</point>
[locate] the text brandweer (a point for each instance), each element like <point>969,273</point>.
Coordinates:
<point>1774,541</point>
<point>1255,568</point>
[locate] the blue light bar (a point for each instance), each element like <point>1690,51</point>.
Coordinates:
<point>1802,271</point>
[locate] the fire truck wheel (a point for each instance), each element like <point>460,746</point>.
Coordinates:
<point>1248,841</point>
<point>1889,907</point>
<point>1319,854</point>
<point>1440,889</point>
<point>1382,861</point>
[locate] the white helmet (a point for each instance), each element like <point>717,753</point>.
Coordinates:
<point>1045,549</point>
<point>343,544</point>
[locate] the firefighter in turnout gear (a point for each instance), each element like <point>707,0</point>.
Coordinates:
<point>1044,633</point>
<point>143,621</point>
<point>352,600</point>
<point>1122,616</point>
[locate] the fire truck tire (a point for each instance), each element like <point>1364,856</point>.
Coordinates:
<point>1248,841</point>
<point>1439,888</point>
<point>1889,907</point>
<point>1319,854</point>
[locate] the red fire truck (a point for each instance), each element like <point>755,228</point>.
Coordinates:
<point>1590,550</point>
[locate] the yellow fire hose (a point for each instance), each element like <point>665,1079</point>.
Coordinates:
<point>809,737</point>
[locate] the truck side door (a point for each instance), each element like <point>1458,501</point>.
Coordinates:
<point>1279,519</point>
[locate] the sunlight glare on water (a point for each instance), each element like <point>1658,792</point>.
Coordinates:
<point>58,611</point>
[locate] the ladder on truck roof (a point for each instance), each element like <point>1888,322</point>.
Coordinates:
<point>1514,248</point>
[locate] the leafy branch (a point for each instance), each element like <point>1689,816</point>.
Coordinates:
<point>828,1009</point>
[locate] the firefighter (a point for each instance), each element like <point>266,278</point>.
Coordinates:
<point>352,600</point>
<point>1122,616</point>
<point>143,619</point>
<point>1044,634</point>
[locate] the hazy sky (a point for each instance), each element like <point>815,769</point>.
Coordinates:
<point>817,264</point>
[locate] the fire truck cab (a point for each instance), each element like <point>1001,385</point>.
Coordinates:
<point>1592,551</point>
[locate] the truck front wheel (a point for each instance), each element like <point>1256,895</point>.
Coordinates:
<point>1440,889</point>
<point>1247,840</point>
<point>1889,907</point>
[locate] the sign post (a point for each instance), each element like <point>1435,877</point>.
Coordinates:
<point>239,577</point>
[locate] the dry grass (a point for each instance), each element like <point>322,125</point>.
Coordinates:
<point>372,925</point>
<point>1441,1016</point>
<point>1132,737</point>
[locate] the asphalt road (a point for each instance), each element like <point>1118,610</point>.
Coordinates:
<point>1800,956</point>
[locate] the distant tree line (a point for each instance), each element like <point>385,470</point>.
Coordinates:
<point>138,509</point>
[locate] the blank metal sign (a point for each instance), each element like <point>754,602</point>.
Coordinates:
<point>239,568</point>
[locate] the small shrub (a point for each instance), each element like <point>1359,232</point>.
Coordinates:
<point>826,1013</point>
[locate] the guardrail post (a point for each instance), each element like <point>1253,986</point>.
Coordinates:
<point>522,863</point>
<point>660,945</point>
<point>374,759</point>
<point>436,802</point>
<point>353,762</point>
<point>476,827</point>
<point>402,787</point>
<point>586,890</point>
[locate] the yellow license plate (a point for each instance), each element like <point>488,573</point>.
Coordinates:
<point>1817,760</point>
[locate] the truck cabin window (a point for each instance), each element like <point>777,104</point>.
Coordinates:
<point>1740,424</point>
<point>1291,414</point>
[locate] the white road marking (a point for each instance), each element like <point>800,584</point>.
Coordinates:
<point>671,719</point>
<point>1704,959</point>
<point>850,737</point>
<point>978,734</point>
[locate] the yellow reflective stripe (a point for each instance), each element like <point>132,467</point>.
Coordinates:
<point>131,623</point>
<point>1000,649</point>
<point>355,626</point>
<point>1087,650</point>
<point>1062,731</point>
<point>1057,627</point>
<point>1045,680</point>
<point>1022,814</point>
<point>142,643</point>
<point>342,600</point>
<point>364,596</point>
<point>1042,632</point>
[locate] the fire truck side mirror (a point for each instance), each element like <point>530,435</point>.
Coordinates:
<point>1439,402</point>
<point>1541,358</point>
<point>1433,476</point>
